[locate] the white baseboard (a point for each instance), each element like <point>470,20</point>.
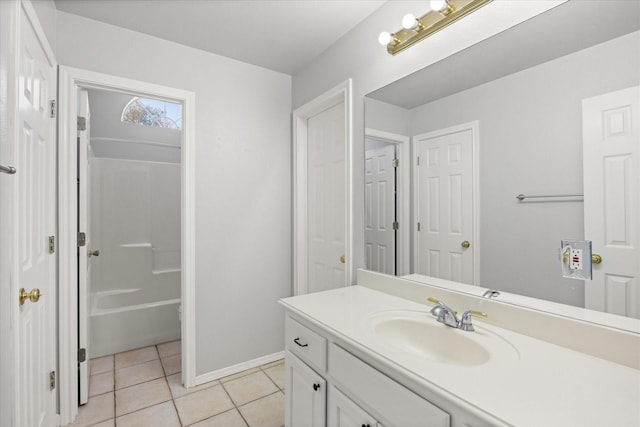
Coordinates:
<point>224,372</point>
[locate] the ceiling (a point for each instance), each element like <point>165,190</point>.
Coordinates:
<point>281,35</point>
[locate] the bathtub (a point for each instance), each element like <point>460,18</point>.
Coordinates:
<point>124,319</point>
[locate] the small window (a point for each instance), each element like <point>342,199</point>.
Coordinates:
<point>153,112</point>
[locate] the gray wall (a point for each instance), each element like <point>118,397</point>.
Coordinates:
<point>47,14</point>
<point>242,175</point>
<point>531,143</point>
<point>386,117</point>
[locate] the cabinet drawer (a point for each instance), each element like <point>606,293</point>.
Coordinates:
<point>306,344</point>
<point>394,404</point>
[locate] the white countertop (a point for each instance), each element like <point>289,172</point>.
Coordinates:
<point>540,384</point>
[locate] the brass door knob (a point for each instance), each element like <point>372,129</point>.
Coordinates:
<point>94,253</point>
<point>465,244</point>
<point>342,259</point>
<point>32,296</point>
<point>596,259</point>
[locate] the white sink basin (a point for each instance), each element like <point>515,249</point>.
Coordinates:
<point>419,334</point>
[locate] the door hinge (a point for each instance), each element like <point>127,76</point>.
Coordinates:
<point>52,380</point>
<point>52,244</point>
<point>418,226</point>
<point>396,225</point>
<point>82,239</point>
<point>82,123</point>
<point>52,108</point>
<point>395,163</point>
<point>82,355</point>
<point>418,160</point>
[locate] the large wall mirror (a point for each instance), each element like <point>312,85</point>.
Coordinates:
<point>500,119</point>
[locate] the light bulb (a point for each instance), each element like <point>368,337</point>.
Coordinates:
<point>409,21</point>
<point>384,38</point>
<point>438,5</point>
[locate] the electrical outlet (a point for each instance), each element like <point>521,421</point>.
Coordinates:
<point>575,259</point>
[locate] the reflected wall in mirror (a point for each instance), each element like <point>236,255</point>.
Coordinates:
<point>509,114</point>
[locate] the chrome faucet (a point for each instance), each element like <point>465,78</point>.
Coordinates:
<point>491,294</point>
<point>449,317</point>
<point>444,314</point>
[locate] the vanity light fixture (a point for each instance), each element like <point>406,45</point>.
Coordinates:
<point>442,13</point>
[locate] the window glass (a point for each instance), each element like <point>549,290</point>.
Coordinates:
<point>153,112</point>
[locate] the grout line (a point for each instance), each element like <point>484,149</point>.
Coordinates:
<point>261,368</point>
<point>236,407</point>
<point>173,400</point>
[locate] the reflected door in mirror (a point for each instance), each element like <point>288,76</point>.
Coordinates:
<point>380,208</point>
<point>443,194</point>
<point>611,161</point>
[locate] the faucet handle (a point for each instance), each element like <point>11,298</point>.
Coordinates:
<point>465,321</point>
<point>438,309</point>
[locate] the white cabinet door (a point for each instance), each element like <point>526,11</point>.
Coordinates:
<point>343,412</point>
<point>306,396</point>
<point>389,400</point>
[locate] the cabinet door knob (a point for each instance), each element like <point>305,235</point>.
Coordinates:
<point>316,387</point>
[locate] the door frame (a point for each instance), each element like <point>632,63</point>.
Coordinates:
<point>403,209</point>
<point>10,17</point>
<point>474,127</point>
<point>69,81</point>
<point>340,93</point>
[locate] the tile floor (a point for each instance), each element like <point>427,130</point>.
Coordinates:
<point>142,388</point>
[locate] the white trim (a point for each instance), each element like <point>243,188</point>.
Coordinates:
<point>474,127</point>
<point>136,141</point>
<point>339,94</point>
<point>69,80</point>
<point>225,372</point>
<point>403,246</point>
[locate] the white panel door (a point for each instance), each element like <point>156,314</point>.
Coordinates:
<point>84,273</point>
<point>35,220</point>
<point>326,199</point>
<point>443,195</point>
<point>611,155</point>
<point>380,212</point>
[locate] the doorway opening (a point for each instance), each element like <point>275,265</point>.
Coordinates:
<point>129,215</point>
<point>135,207</point>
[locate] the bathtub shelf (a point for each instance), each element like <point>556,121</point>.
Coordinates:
<point>166,270</point>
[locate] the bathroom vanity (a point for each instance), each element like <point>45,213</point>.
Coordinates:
<point>373,355</point>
